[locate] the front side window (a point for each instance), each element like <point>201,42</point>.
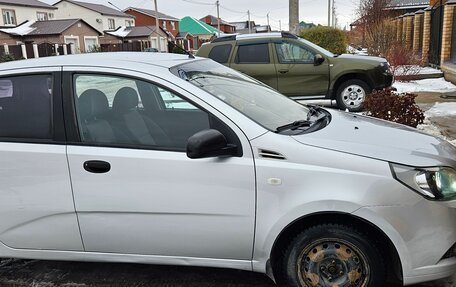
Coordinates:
<point>111,24</point>
<point>128,112</point>
<point>42,16</point>
<point>9,17</point>
<point>253,54</point>
<point>288,52</point>
<point>26,107</point>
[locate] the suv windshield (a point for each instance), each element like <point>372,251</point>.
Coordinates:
<point>317,48</point>
<point>257,101</point>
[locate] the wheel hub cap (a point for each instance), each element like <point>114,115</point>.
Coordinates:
<point>353,96</point>
<point>329,263</point>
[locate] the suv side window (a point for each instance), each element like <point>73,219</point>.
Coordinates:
<point>221,53</point>
<point>289,52</point>
<point>253,54</point>
<point>26,107</point>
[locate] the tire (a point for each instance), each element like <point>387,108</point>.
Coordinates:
<point>332,255</point>
<point>352,94</point>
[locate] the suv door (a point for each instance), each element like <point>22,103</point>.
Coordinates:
<point>296,73</point>
<point>36,206</point>
<point>137,192</point>
<point>255,59</point>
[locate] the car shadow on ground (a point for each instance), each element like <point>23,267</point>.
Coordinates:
<point>19,273</point>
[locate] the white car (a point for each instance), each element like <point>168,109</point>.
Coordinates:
<point>166,159</point>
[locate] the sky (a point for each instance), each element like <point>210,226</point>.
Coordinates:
<point>315,11</point>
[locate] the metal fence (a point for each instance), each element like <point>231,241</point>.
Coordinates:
<point>27,51</point>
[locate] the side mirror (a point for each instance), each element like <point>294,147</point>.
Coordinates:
<point>318,60</point>
<point>209,143</point>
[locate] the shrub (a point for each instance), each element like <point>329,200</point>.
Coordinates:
<point>403,61</point>
<point>387,105</point>
<point>331,39</point>
<point>7,58</point>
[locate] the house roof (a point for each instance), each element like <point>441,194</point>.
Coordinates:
<point>135,31</point>
<point>151,13</point>
<point>243,24</point>
<point>27,3</point>
<point>196,27</point>
<point>404,4</point>
<point>102,9</point>
<point>40,28</point>
<point>214,21</point>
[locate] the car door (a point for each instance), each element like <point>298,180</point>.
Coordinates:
<point>296,73</point>
<point>255,59</point>
<point>36,200</point>
<point>135,189</point>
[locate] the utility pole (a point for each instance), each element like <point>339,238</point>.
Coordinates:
<point>267,16</point>
<point>329,13</point>
<point>157,26</point>
<point>280,25</point>
<point>218,16</point>
<point>294,16</point>
<point>333,14</point>
<point>250,28</point>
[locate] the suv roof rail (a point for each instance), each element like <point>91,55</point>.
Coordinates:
<point>254,36</point>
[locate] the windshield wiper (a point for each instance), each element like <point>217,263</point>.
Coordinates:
<point>294,125</point>
<point>312,111</point>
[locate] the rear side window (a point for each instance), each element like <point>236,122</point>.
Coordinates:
<point>26,107</point>
<point>253,54</point>
<point>220,54</point>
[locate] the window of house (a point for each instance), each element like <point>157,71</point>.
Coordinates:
<point>111,24</point>
<point>288,52</point>
<point>51,15</point>
<point>164,25</point>
<point>220,53</point>
<point>173,25</point>
<point>9,17</point>
<point>26,107</point>
<point>42,16</point>
<point>255,53</point>
<point>120,111</point>
<point>129,23</point>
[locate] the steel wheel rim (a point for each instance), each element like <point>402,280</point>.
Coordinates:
<point>332,262</point>
<point>353,96</point>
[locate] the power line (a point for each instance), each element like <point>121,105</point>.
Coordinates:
<point>199,3</point>
<point>233,11</point>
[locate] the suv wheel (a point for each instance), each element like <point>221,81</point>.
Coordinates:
<point>351,95</point>
<point>333,255</point>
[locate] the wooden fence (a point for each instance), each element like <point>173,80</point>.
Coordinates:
<point>27,51</point>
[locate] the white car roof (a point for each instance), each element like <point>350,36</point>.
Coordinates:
<point>113,59</point>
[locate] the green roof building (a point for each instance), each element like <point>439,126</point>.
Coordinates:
<point>197,28</point>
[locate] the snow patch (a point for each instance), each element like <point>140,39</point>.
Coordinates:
<point>357,51</point>
<point>415,70</point>
<point>439,85</point>
<point>121,32</point>
<point>21,30</point>
<point>442,110</point>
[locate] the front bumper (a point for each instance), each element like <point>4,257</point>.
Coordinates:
<point>423,234</point>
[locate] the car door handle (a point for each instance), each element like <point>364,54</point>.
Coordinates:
<point>97,166</point>
<point>283,71</point>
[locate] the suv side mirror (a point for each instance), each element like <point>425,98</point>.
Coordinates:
<point>318,60</point>
<point>209,143</point>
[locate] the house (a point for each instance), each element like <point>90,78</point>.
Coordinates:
<point>186,40</point>
<point>145,17</point>
<point>68,31</point>
<point>16,12</point>
<point>243,27</point>
<point>200,31</point>
<point>305,25</point>
<point>263,28</point>
<point>102,18</point>
<point>143,34</point>
<point>407,6</point>
<point>225,27</point>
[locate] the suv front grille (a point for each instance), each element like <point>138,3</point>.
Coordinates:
<point>450,253</point>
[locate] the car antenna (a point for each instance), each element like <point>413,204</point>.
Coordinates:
<point>190,55</point>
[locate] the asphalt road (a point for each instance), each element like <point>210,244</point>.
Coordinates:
<point>34,273</point>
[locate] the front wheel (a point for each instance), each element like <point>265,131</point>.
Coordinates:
<point>351,95</point>
<point>333,255</point>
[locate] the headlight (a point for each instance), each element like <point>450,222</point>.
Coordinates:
<point>437,183</point>
<point>385,66</point>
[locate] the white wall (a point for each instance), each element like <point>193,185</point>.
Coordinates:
<point>71,11</point>
<point>24,13</point>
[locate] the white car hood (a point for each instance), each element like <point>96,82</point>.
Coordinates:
<point>383,140</point>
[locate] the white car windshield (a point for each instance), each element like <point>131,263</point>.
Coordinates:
<point>257,101</point>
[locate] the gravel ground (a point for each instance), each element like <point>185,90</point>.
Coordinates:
<point>34,273</point>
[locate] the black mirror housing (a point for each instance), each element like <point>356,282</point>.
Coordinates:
<point>209,143</point>
<point>318,60</point>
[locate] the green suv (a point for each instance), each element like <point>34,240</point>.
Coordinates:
<point>300,69</point>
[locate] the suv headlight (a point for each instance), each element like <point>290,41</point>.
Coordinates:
<point>435,183</point>
<point>386,66</point>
